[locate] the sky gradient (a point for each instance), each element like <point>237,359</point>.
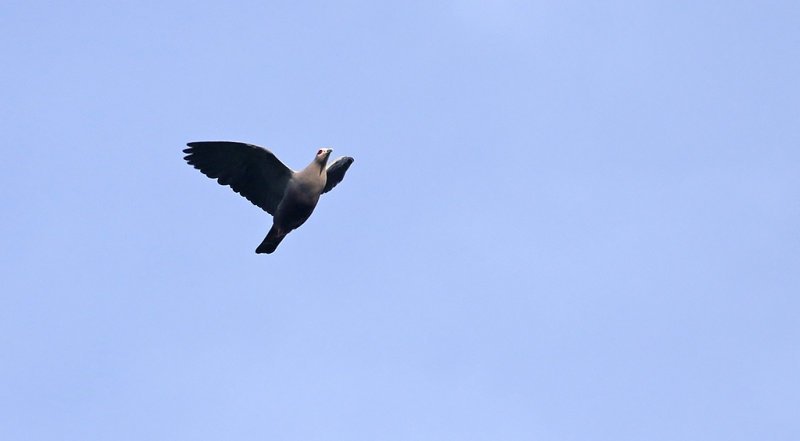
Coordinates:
<point>565,221</point>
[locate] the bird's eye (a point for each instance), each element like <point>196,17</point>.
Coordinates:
<point>319,152</point>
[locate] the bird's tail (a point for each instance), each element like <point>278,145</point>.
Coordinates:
<point>270,243</point>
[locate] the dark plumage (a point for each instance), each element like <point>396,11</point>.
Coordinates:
<point>257,174</point>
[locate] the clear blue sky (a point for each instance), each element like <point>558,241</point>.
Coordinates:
<point>566,221</point>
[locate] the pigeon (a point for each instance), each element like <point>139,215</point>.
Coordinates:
<point>257,174</point>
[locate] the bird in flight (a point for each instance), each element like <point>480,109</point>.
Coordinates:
<point>257,174</point>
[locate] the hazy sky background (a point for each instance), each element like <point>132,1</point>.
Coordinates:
<point>566,221</point>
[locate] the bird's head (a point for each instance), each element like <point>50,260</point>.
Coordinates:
<point>322,158</point>
<point>323,154</point>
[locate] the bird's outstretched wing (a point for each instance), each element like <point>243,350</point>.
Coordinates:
<point>336,171</point>
<point>252,171</point>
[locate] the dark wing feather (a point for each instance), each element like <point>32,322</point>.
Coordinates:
<point>252,171</point>
<point>336,171</point>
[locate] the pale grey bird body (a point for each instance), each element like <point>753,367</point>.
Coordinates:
<point>258,175</point>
